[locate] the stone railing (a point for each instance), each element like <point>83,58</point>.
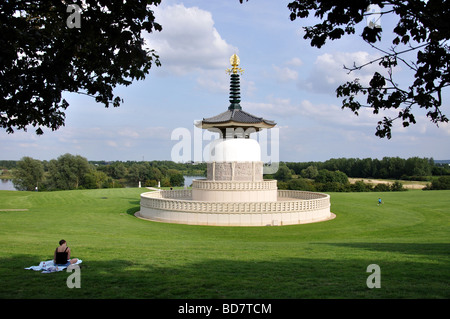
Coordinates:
<point>173,194</point>
<point>204,184</point>
<point>301,195</point>
<point>178,200</point>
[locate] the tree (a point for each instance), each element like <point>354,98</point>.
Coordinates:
<point>28,174</point>
<point>138,172</point>
<point>176,179</point>
<point>360,186</point>
<point>155,174</point>
<point>96,179</point>
<point>422,27</point>
<point>117,170</point>
<point>326,176</point>
<point>415,166</point>
<point>67,172</point>
<point>397,187</point>
<point>283,173</point>
<point>310,172</point>
<point>44,53</point>
<point>301,184</point>
<point>442,182</point>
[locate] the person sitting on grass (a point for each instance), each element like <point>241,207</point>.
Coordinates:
<point>62,254</point>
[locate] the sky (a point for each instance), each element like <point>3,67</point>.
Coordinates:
<point>285,80</point>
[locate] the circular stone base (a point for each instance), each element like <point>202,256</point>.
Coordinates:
<point>332,216</point>
<point>291,208</point>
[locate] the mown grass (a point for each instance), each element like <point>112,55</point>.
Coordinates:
<point>126,257</point>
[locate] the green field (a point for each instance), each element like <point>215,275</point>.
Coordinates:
<point>126,257</point>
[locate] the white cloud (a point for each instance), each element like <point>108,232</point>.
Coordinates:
<point>189,41</point>
<point>112,143</point>
<point>274,107</point>
<point>333,115</point>
<point>285,74</point>
<point>328,71</point>
<point>128,133</point>
<point>317,114</point>
<point>296,62</point>
<point>320,113</point>
<point>249,87</point>
<point>213,81</point>
<point>422,127</point>
<point>445,127</point>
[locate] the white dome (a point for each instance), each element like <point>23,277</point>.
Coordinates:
<point>234,150</point>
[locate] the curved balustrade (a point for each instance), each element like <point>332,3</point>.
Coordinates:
<point>290,201</point>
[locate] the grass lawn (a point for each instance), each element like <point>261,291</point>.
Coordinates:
<point>126,257</point>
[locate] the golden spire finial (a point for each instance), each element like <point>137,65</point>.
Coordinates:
<point>234,61</point>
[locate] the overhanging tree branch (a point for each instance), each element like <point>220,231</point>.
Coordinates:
<point>41,56</point>
<point>422,26</point>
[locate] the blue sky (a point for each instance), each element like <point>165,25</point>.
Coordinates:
<point>285,80</point>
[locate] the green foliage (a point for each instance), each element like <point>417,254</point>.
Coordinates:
<point>442,182</point>
<point>282,185</point>
<point>149,174</point>
<point>75,172</point>
<point>301,184</point>
<point>360,186</point>
<point>381,188</point>
<point>42,57</point>
<point>420,27</point>
<point>332,187</point>
<point>330,175</point>
<point>165,182</point>
<point>336,182</point>
<point>176,178</point>
<point>5,164</point>
<point>283,173</point>
<point>67,172</point>
<point>397,186</point>
<point>386,168</point>
<point>309,172</point>
<point>151,183</point>
<point>326,176</point>
<point>96,179</point>
<point>28,174</point>
<point>139,172</point>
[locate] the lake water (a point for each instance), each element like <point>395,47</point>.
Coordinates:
<point>188,179</point>
<point>6,185</point>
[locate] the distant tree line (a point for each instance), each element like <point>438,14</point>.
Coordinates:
<point>76,172</point>
<point>332,175</point>
<point>413,168</point>
<point>323,180</point>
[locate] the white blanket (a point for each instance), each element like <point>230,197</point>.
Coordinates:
<point>49,266</point>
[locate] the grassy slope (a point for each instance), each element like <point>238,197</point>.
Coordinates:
<point>125,257</point>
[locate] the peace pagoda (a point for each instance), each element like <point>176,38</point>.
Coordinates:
<point>234,192</point>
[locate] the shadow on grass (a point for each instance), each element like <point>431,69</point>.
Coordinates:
<point>437,250</point>
<point>284,278</point>
<point>134,209</point>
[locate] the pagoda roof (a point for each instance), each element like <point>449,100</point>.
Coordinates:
<point>236,118</point>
